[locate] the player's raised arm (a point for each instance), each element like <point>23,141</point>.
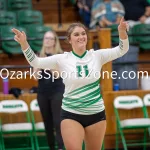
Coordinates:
<point>116,52</point>
<point>36,62</point>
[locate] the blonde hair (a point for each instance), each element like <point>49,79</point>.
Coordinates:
<point>57,46</point>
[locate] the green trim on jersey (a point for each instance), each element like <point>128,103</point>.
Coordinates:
<point>78,55</point>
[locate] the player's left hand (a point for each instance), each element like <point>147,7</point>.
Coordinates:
<point>123,26</point>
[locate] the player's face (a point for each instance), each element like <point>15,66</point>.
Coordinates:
<point>78,38</point>
<point>49,39</point>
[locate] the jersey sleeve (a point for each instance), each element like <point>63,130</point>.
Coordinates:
<point>106,55</point>
<point>50,62</point>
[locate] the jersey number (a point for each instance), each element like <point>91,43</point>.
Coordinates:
<point>82,71</point>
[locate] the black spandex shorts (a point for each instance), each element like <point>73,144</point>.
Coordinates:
<point>84,120</point>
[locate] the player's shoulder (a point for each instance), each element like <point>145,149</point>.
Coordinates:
<point>69,54</point>
<point>64,55</point>
<point>91,52</point>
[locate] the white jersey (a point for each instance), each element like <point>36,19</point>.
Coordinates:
<point>80,75</point>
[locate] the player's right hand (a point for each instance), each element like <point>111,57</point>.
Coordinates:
<point>20,37</point>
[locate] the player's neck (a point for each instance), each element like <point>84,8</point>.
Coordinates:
<point>79,52</point>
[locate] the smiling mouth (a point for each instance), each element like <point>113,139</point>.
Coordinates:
<point>81,41</point>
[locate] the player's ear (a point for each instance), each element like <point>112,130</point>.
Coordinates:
<point>69,41</point>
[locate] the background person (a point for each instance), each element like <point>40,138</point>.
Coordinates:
<point>84,7</point>
<point>106,13</point>
<point>50,92</point>
<point>137,11</point>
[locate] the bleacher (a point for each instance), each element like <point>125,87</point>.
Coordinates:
<point>20,15</point>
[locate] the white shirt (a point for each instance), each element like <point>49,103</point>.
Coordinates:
<point>80,75</point>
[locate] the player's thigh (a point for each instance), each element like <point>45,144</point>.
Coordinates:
<point>72,133</point>
<point>94,135</point>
